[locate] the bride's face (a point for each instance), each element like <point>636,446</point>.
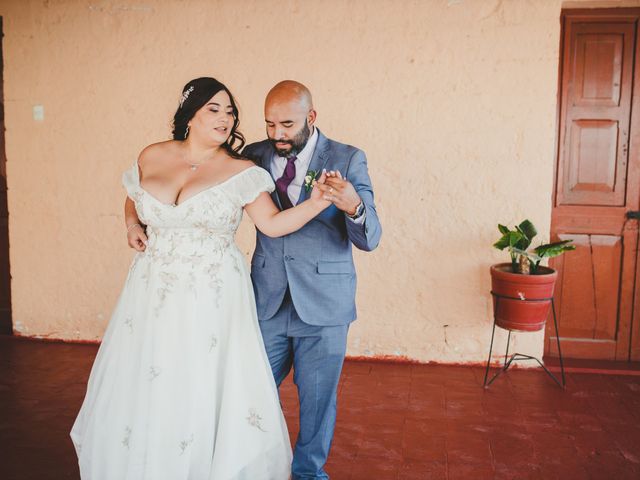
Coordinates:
<point>213,122</point>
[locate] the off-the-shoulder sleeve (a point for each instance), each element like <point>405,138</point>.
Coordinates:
<point>131,180</point>
<point>252,182</point>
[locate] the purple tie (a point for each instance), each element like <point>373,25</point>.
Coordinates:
<point>283,183</point>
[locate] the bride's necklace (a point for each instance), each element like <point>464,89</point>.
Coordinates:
<point>193,166</point>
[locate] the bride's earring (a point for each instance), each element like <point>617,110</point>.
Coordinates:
<point>186,132</point>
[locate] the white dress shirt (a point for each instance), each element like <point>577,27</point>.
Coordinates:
<point>302,163</point>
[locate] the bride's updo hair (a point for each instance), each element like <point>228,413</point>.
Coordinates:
<point>195,95</point>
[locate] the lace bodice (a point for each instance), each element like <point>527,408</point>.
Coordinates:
<point>216,210</point>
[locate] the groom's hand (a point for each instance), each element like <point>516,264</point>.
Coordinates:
<point>340,192</point>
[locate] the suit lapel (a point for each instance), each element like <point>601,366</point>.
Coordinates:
<point>318,162</point>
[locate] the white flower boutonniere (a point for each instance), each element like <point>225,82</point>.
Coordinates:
<point>308,180</point>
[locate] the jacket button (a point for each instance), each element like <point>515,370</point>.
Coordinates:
<point>288,258</point>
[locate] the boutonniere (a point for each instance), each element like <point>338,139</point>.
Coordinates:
<point>308,180</point>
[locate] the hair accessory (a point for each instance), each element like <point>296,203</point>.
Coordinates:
<point>185,95</point>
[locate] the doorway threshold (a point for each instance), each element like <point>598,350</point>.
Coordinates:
<point>602,367</point>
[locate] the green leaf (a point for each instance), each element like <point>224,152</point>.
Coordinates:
<point>503,230</point>
<point>527,228</point>
<point>506,240</point>
<point>523,241</point>
<point>550,250</point>
<point>515,239</point>
<point>502,243</point>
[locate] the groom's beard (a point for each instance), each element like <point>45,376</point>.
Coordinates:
<point>298,142</point>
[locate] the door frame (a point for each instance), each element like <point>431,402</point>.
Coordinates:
<point>630,350</point>
<point>5,313</point>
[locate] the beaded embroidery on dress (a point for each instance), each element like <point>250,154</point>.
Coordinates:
<point>181,387</point>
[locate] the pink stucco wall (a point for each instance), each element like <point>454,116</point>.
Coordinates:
<point>453,101</point>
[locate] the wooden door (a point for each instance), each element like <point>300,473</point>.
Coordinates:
<point>5,287</point>
<point>596,184</point>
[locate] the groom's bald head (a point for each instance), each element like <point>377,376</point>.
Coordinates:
<point>290,92</point>
<point>289,116</point>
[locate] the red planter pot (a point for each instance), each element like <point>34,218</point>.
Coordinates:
<point>517,314</point>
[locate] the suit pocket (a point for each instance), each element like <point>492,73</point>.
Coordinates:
<point>258,260</point>
<point>335,268</point>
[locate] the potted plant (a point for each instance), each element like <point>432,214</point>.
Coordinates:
<point>524,279</point>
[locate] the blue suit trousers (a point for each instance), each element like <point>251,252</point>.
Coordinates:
<point>316,354</point>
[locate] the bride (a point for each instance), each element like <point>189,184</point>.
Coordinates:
<point>181,387</point>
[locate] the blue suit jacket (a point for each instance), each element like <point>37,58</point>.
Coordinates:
<point>316,261</point>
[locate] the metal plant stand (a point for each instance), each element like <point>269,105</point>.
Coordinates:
<point>521,356</point>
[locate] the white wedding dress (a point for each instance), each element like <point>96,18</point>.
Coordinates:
<point>181,387</point>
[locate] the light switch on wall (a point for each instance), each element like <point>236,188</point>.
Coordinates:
<point>38,113</point>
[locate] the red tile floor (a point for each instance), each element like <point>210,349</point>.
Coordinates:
<point>394,421</point>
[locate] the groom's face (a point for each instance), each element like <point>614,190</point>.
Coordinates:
<point>289,126</point>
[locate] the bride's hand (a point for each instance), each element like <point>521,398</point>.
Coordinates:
<point>136,237</point>
<point>318,192</point>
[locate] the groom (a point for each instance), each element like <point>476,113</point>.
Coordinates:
<point>305,282</point>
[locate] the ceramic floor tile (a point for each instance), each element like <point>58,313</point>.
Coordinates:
<point>395,421</point>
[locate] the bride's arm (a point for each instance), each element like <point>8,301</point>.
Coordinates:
<point>135,232</point>
<point>275,223</point>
